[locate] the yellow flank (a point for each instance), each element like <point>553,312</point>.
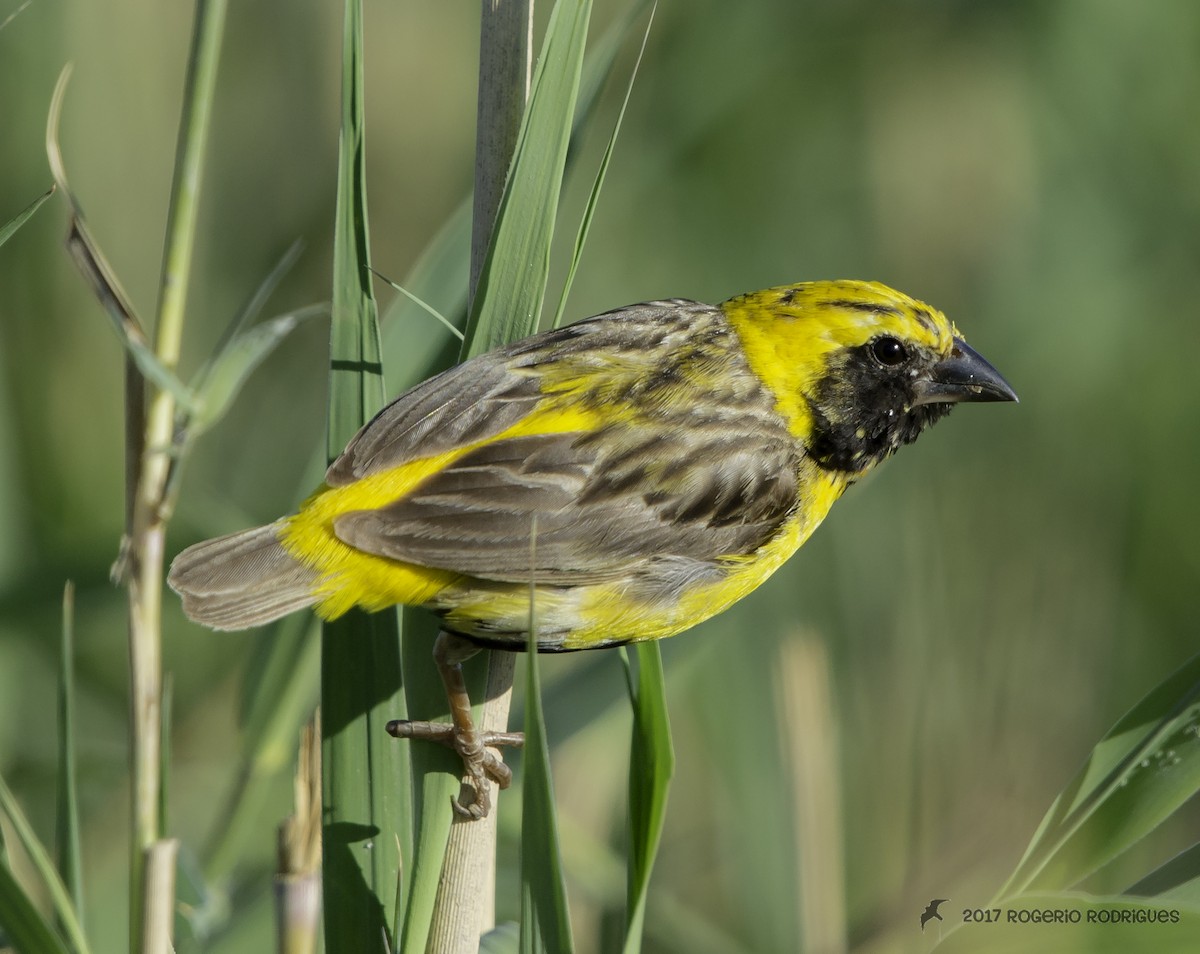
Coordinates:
<point>606,612</point>
<point>349,577</point>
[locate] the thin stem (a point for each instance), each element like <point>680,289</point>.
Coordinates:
<point>465,906</point>
<point>150,448</point>
<point>505,39</point>
<point>159,911</point>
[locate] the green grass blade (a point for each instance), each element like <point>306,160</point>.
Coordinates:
<point>512,285</point>
<point>10,227</point>
<point>12,16</point>
<point>258,301</point>
<point>651,764</point>
<point>436,276</point>
<point>24,928</point>
<point>356,388</point>
<point>97,272</point>
<point>1142,771</point>
<point>60,899</point>
<point>545,924</point>
<point>365,776</point>
<point>70,858</point>
<point>598,183</point>
<point>435,772</point>
<point>599,64</point>
<point>221,380</point>
<point>505,67</point>
<point>423,305</point>
<point>1175,882</point>
<point>242,349</point>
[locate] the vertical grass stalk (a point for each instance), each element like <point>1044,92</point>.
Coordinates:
<point>545,920</point>
<point>298,874</point>
<point>148,452</point>
<point>505,44</point>
<point>365,778</point>
<point>70,856</point>
<point>808,720</point>
<point>465,906</point>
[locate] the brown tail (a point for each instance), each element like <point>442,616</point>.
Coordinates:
<point>241,580</point>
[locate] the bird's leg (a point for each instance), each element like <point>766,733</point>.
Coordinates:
<point>450,651</point>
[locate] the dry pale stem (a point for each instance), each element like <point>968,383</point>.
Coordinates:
<point>465,905</point>
<point>158,916</point>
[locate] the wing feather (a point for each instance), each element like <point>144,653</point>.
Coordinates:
<point>465,404</point>
<point>479,516</point>
<point>694,464</point>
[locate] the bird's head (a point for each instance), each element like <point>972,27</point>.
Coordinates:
<point>858,369</point>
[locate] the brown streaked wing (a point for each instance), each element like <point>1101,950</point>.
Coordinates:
<point>467,403</point>
<point>488,394</point>
<point>601,503</point>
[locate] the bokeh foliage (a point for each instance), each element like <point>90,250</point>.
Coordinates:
<point>989,604</point>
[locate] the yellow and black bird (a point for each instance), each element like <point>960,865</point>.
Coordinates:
<point>637,472</point>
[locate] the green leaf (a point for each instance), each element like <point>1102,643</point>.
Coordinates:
<point>12,16</point>
<point>28,932</point>
<point>423,305</point>
<point>365,784</point>
<point>356,388</point>
<point>242,349</point>
<point>70,858</point>
<point>651,764</point>
<point>10,227</point>
<point>221,380</point>
<point>1144,769</point>
<point>262,294</point>
<point>597,68</point>
<point>99,275</point>
<point>437,275</point>
<point>512,285</point>
<point>435,773</point>
<point>1176,881</point>
<point>97,271</point>
<point>598,183</point>
<point>60,900</point>
<point>545,922</point>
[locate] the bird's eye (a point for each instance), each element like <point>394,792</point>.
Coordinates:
<point>889,351</point>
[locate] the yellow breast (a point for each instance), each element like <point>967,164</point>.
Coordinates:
<point>606,613</point>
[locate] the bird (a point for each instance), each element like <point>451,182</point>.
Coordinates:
<point>620,479</point>
<point>931,911</point>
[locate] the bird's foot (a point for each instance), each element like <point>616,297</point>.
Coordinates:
<point>476,749</point>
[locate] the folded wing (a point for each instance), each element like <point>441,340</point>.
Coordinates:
<point>691,460</point>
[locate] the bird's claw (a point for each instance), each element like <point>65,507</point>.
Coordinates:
<point>480,762</point>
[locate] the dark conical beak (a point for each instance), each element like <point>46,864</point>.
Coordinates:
<point>963,376</point>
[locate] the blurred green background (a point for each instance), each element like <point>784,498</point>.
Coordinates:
<point>887,720</point>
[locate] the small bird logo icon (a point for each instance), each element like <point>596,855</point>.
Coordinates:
<point>931,911</point>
